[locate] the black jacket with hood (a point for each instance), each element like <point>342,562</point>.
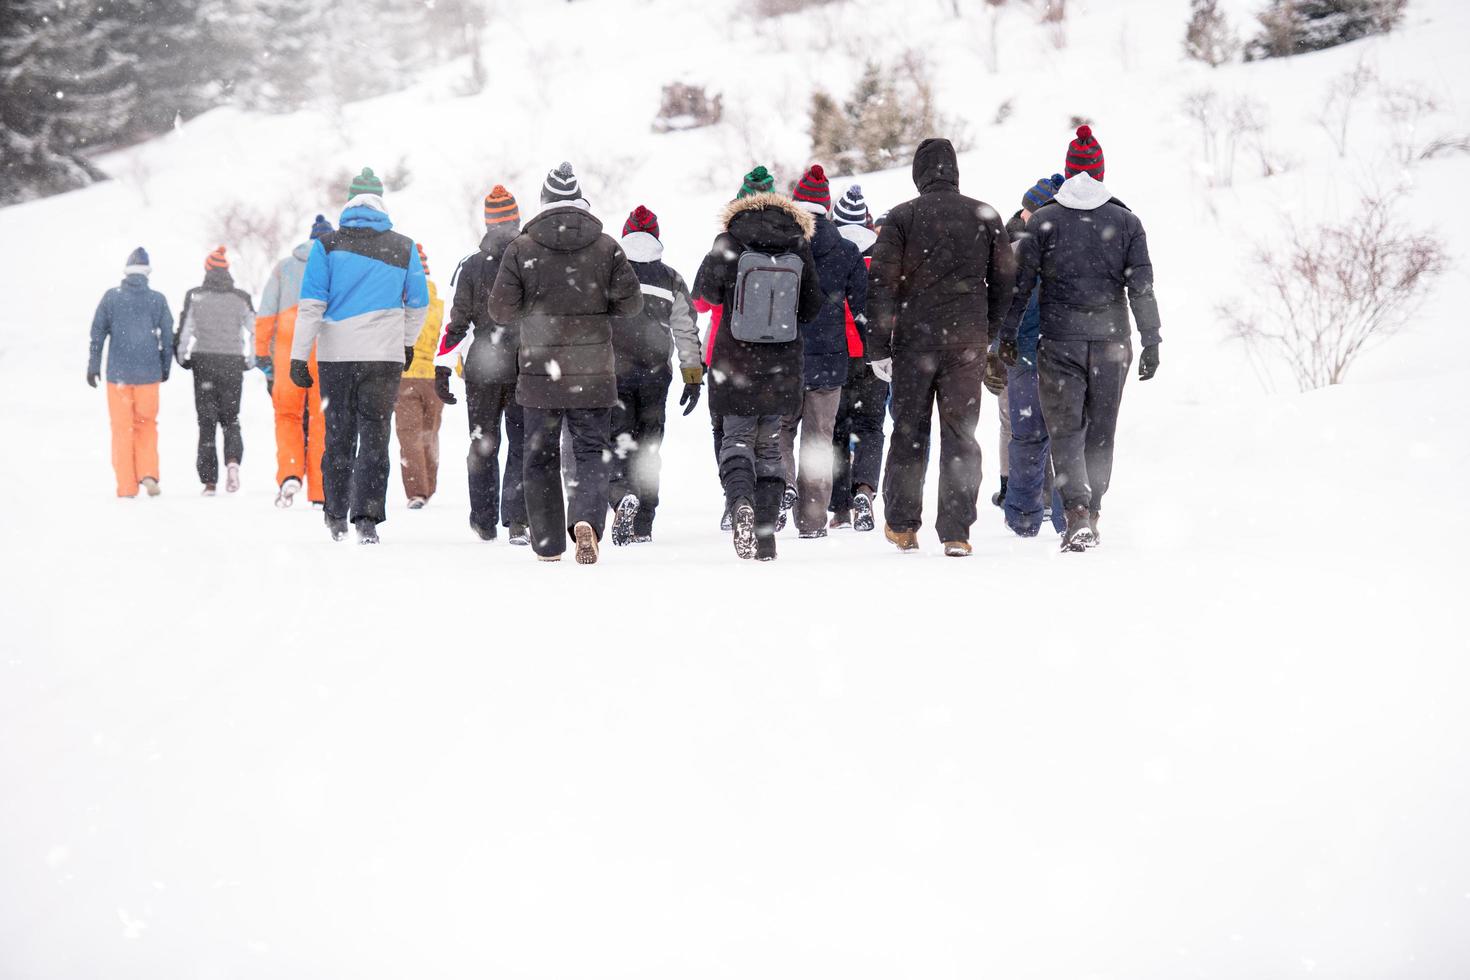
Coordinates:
<point>942,274</point>
<point>843,276</point>
<point>491,358</point>
<point>561,282</point>
<point>757,379</point>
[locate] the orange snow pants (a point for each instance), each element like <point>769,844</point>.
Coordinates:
<point>133,410</point>
<point>301,431</point>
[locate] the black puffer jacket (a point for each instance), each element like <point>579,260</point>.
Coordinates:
<point>757,379</point>
<point>942,274</point>
<point>1087,250</point>
<point>491,358</point>
<point>562,281</point>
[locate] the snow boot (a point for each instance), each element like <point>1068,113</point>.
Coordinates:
<point>999,497</point>
<point>150,484</point>
<point>902,540</point>
<point>484,533</point>
<point>208,490</point>
<point>788,503</point>
<point>742,520</point>
<point>643,538</point>
<point>232,478</point>
<point>862,510</point>
<point>290,486</point>
<point>1078,536</point>
<point>367,530</point>
<point>1092,519</point>
<point>820,532</point>
<point>520,536</point>
<point>623,519</point>
<point>768,496</point>
<point>337,527</point>
<point>841,520</point>
<point>957,549</point>
<point>586,543</point>
<point>416,503</point>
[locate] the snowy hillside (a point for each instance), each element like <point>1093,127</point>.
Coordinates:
<point>1230,743</point>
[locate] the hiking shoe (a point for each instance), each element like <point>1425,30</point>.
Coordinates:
<point>151,485</point>
<point>485,533</point>
<point>208,490</point>
<point>742,520</point>
<point>957,549</point>
<point>725,520</point>
<point>367,530</point>
<point>337,527</point>
<point>820,532</point>
<point>841,520</point>
<point>232,477</point>
<point>519,535</point>
<point>788,501</point>
<point>586,543</point>
<point>623,518</point>
<point>287,494</point>
<point>902,540</point>
<point>1078,536</point>
<point>1092,519</point>
<point>416,503</point>
<point>862,512</point>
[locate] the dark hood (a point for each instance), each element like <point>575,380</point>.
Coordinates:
<point>935,166</point>
<point>825,238</point>
<point>564,229</point>
<point>219,279</point>
<point>135,280</point>
<point>497,237</point>
<point>768,223</point>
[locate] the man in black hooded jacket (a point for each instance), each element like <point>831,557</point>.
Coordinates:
<point>939,286</point>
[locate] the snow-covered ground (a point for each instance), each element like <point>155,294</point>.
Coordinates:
<point>1230,743</point>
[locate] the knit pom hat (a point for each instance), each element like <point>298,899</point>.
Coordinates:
<point>501,207</point>
<point>138,262</point>
<point>365,183</point>
<point>1085,155</point>
<point>216,260</point>
<point>423,259</point>
<point>852,209</point>
<point>758,181</point>
<point>641,219</point>
<point>1046,188</point>
<point>813,193</point>
<point>561,186</point>
<point>321,226</point>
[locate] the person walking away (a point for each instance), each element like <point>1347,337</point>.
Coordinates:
<point>489,370</point>
<point>940,283</point>
<point>1088,252</point>
<point>857,433</point>
<point>761,273</point>
<point>843,278</point>
<point>363,302</point>
<point>562,281</point>
<point>216,342</point>
<point>134,324</point>
<point>301,430</point>
<point>419,411</point>
<point>1029,449</point>
<point>644,345</point>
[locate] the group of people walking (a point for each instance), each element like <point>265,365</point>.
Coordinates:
<point>821,321</point>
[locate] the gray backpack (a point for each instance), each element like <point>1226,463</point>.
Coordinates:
<point>767,288</point>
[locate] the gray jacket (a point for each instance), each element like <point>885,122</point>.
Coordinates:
<point>217,319</point>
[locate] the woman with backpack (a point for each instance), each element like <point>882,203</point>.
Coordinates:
<point>760,271</point>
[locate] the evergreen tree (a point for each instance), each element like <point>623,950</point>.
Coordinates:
<point>289,62</point>
<point>1208,37</point>
<point>1291,27</point>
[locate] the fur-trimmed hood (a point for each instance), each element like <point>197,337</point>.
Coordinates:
<point>805,222</point>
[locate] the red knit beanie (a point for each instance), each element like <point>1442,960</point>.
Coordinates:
<point>642,220</point>
<point>423,259</point>
<point>814,189</point>
<point>1085,155</point>
<point>216,260</point>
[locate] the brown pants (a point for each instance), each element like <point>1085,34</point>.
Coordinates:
<point>418,413</point>
<point>133,410</point>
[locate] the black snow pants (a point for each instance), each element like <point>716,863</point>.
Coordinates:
<point>1081,388</point>
<point>637,430</point>
<point>217,382</point>
<point>857,438</point>
<point>493,499</point>
<point>357,405</point>
<point>552,516</point>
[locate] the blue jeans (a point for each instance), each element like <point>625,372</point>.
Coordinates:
<point>1030,457</point>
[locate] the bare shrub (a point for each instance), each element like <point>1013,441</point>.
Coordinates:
<point>1333,290</point>
<point>1343,97</point>
<point>1226,126</point>
<point>687,107</point>
<point>1209,37</point>
<point>1446,146</point>
<point>257,236</point>
<point>1052,15</point>
<point>890,111</point>
<point>1405,108</point>
<point>990,54</point>
<point>1004,111</point>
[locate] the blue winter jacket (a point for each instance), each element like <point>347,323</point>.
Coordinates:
<point>141,328</point>
<point>363,295</point>
<point>843,277</point>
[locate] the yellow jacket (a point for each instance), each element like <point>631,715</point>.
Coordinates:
<point>427,345</point>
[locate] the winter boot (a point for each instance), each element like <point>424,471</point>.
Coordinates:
<point>519,535</point>
<point>1092,519</point>
<point>788,502</point>
<point>646,538</point>
<point>768,496</point>
<point>902,540</point>
<point>232,478</point>
<point>742,520</point>
<point>862,510</point>
<point>367,530</point>
<point>1078,536</point>
<point>208,490</point>
<point>485,533</point>
<point>290,486</point>
<point>586,543</point>
<point>623,519</point>
<point>820,532</point>
<point>416,503</point>
<point>150,484</point>
<point>957,549</point>
<point>337,527</point>
<point>841,520</point>
<point>999,497</point>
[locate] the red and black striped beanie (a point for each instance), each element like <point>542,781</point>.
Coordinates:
<point>501,207</point>
<point>216,260</point>
<point>1085,155</point>
<point>642,220</point>
<point>813,189</point>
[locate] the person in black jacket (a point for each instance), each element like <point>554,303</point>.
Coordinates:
<point>857,435</point>
<point>562,281</point>
<point>1087,250</point>
<point>752,385</point>
<point>489,378</point>
<point>940,282</point>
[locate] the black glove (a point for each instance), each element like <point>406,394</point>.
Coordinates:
<point>186,364</point>
<point>1148,362</point>
<point>690,398</point>
<point>407,357</point>
<point>1009,355</point>
<point>995,375</point>
<point>92,377</point>
<point>441,386</point>
<point>301,374</point>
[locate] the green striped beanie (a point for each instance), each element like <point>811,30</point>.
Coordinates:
<point>365,183</point>
<point>758,181</point>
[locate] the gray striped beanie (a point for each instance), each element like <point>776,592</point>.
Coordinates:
<point>561,186</point>
<point>851,209</point>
